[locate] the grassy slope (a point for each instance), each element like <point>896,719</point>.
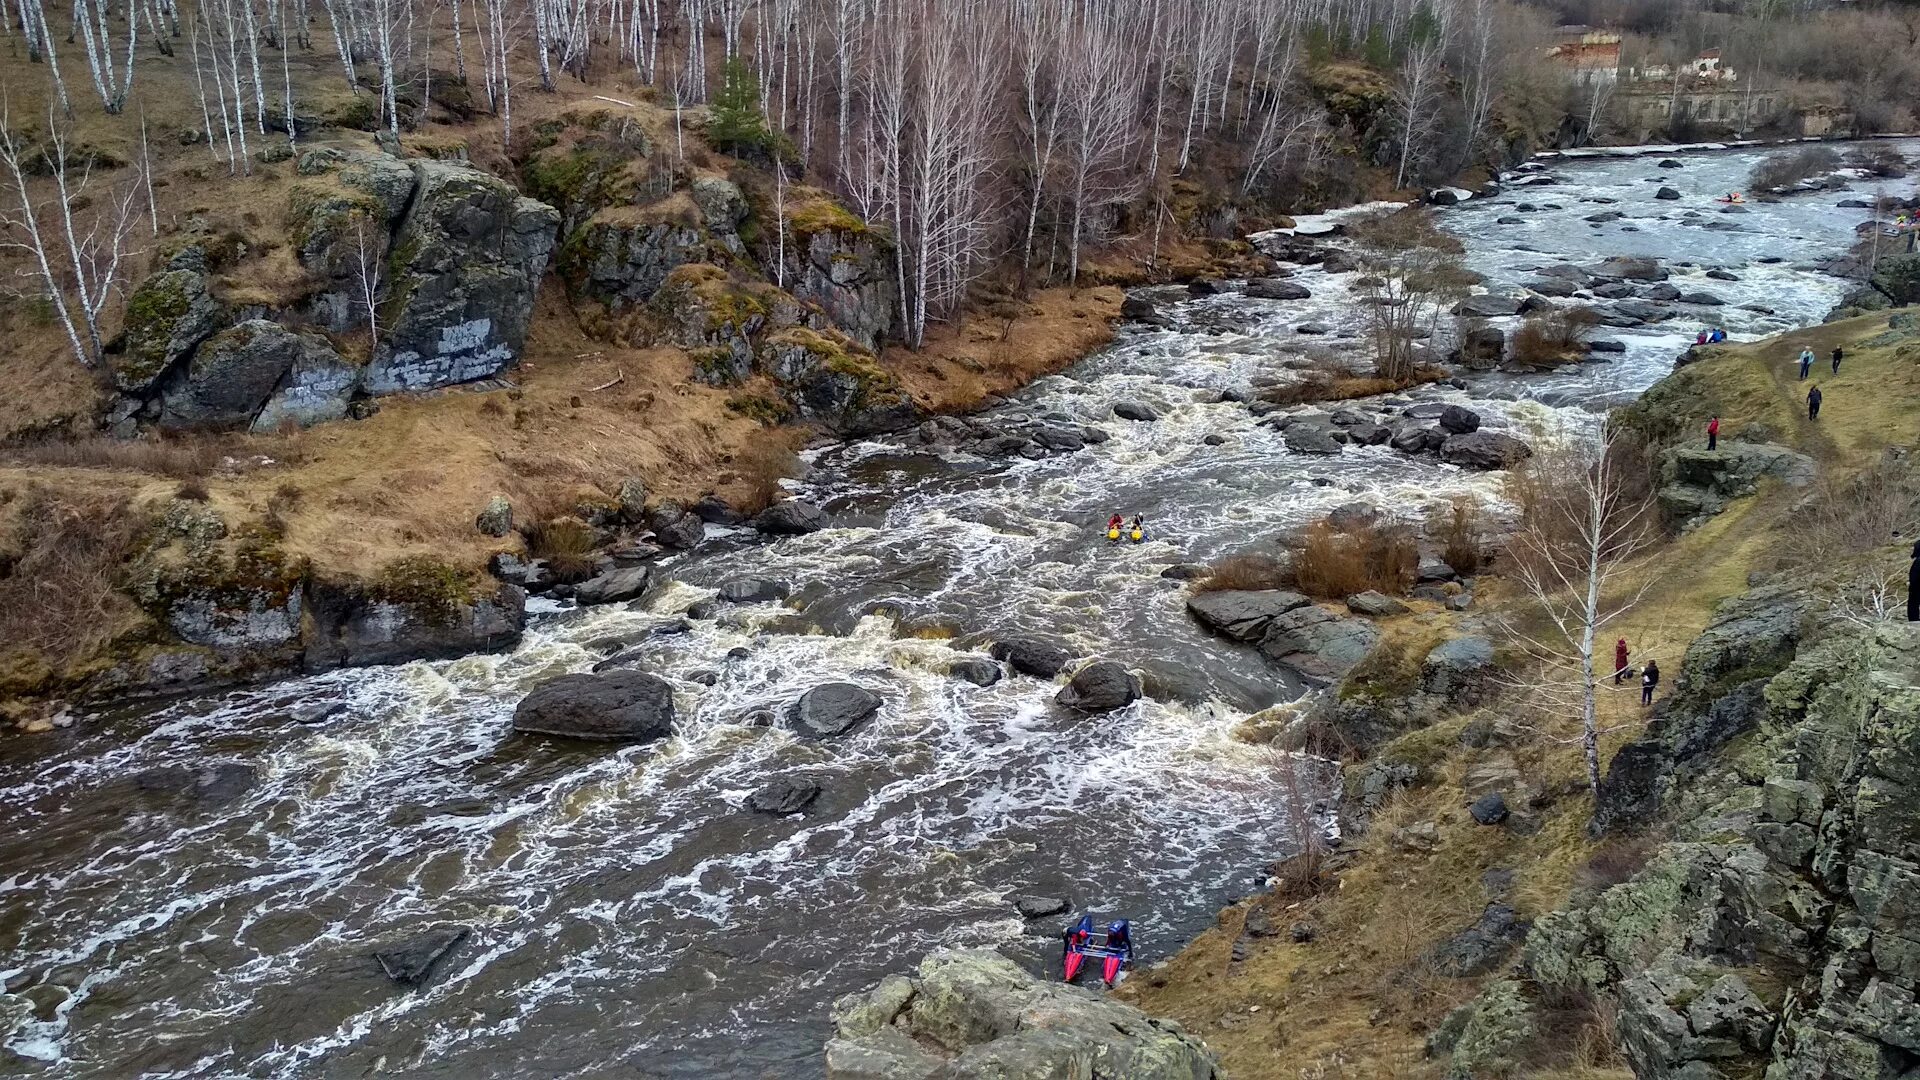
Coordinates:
<point>1358,1000</point>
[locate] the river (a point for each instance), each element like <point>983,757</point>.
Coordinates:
<point>628,917</point>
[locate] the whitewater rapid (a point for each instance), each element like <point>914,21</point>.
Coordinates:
<point>627,916</point>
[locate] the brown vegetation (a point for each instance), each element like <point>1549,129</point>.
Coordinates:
<point>1554,337</point>
<point>187,458</point>
<point>1334,565</point>
<point>1249,572</point>
<point>63,565</point>
<point>1462,536</point>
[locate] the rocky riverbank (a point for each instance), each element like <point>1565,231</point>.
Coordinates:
<point>1730,901</point>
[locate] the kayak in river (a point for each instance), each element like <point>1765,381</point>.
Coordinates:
<point>1136,536</point>
<point>1113,534</point>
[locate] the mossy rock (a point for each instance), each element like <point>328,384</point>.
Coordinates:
<point>167,316</point>
<point>436,591</point>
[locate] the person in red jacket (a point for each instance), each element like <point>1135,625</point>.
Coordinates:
<point>1713,434</point>
<point>1619,661</point>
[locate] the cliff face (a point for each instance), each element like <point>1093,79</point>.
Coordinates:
<point>1774,932</point>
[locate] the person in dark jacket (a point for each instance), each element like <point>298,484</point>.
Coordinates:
<point>1813,403</point>
<point>1619,661</point>
<point>1913,586</point>
<point>1837,354</point>
<point>1713,434</point>
<point>1649,682</point>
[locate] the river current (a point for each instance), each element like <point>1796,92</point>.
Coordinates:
<point>628,918</point>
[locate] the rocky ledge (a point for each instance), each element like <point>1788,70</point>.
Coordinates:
<point>976,1014</point>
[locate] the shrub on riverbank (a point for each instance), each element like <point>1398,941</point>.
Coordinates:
<point>1251,572</point>
<point>1335,564</point>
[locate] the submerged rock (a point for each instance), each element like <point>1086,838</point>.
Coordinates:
<point>975,1015</point>
<point>974,670</point>
<point>414,961</point>
<point>787,795</point>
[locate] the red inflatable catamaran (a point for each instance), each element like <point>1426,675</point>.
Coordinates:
<point>1114,949</point>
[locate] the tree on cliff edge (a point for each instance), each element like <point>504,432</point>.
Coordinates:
<point>1583,521</point>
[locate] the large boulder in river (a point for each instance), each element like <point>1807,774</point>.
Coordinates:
<point>1484,450</point>
<point>1311,439</point>
<point>414,609</point>
<point>791,517</point>
<point>465,265</point>
<point>832,709</point>
<point>1459,421</point>
<point>616,705</point>
<point>1630,268</point>
<point>975,1015</point>
<point>787,795</point>
<point>1242,615</point>
<point>1101,686</point>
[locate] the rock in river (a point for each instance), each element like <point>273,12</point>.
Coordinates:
<point>1101,686</point>
<point>1277,289</point>
<point>975,1014</point>
<point>612,586</point>
<point>975,670</point>
<point>414,961</point>
<point>1240,614</point>
<point>1134,410</point>
<point>791,517</point>
<point>1459,421</point>
<point>787,795</point>
<point>1311,439</point>
<point>1029,657</point>
<point>832,709</point>
<point>752,591</point>
<point>1484,450</point>
<point>1039,907</point>
<point>614,705</point>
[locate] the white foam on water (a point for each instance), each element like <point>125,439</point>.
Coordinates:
<point>622,903</point>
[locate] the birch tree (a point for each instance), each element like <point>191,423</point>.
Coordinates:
<point>1100,90</point>
<point>1416,100</point>
<point>78,262</point>
<point>1580,531</point>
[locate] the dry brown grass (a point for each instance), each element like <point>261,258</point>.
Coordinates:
<point>1334,565</point>
<point>1251,572</point>
<point>62,568</point>
<point>566,544</point>
<point>964,363</point>
<point>761,466</point>
<point>189,458</point>
<point>1463,537</point>
<point>1342,383</point>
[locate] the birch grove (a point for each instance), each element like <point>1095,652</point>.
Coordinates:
<point>979,135</point>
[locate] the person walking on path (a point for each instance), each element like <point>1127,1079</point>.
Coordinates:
<point>1649,681</point>
<point>1713,434</point>
<point>1813,404</point>
<point>1806,362</point>
<point>1619,661</point>
<point>1837,354</point>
